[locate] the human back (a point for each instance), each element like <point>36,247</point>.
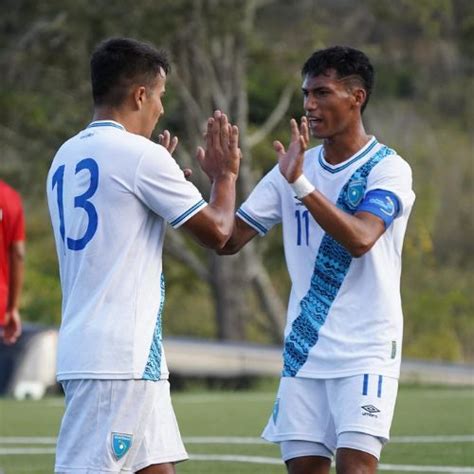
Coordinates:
<point>112,282</point>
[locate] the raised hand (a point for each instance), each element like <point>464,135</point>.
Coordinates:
<point>169,143</point>
<point>291,161</point>
<point>222,155</point>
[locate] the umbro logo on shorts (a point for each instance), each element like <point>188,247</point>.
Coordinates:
<point>370,410</point>
<point>121,443</point>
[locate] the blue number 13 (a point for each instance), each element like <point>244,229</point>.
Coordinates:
<point>81,201</point>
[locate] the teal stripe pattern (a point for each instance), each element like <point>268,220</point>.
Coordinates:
<point>153,365</point>
<point>331,267</point>
<point>251,221</point>
<point>186,214</point>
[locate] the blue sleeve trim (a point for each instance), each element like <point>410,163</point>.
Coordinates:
<point>183,216</point>
<point>252,222</point>
<point>381,203</point>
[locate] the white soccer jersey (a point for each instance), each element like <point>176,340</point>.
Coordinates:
<point>344,314</point>
<point>110,195</point>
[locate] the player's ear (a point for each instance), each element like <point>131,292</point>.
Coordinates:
<point>139,94</point>
<point>359,96</point>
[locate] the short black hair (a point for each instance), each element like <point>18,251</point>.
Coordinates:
<point>346,62</point>
<point>118,63</point>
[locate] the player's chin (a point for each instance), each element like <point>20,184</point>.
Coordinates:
<point>318,134</point>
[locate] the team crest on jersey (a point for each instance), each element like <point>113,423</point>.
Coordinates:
<point>276,408</point>
<point>355,193</point>
<point>121,443</point>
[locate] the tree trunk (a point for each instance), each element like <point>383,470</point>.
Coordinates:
<point>211,74</point>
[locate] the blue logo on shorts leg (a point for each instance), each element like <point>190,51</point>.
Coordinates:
<point>121,443</point>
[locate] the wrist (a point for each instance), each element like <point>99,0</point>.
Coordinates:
<point>302,186</point>
<point>229,176</point>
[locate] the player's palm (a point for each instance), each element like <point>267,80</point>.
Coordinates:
<point>222,155</point>
<point>291,161</point>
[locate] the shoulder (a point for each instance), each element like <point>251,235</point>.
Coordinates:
<point>392,165</point>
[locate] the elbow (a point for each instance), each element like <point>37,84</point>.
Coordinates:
<point>360,248</point>
<point>228,249</point>
<point>17,253</point>
<point>217,240</point>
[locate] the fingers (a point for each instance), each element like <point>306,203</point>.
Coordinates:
<point>224,125</point>
<point>234,137</point>
<point>208,135</point>
<point>200,156</point>
<point>295,133</point>
<point>279,148</point>
<point>216,126</point>
<point>303,144</point>
<point>187,172</point>
<point>173,145</point>
<point>169,143</point>
<point>304,130</point>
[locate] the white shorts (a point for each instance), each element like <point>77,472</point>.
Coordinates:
<point>113,426</point>
<point>321,410</point>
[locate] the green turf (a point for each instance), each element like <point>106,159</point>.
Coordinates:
<point>420,411</point>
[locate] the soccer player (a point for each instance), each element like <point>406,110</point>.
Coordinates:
<point>344,207</point>
<point>111,191</point>
<point>12,255</point>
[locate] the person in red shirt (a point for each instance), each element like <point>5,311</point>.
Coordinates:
<point>12,253</point>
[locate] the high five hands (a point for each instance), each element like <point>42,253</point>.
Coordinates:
<point>222,155</point>
<point>291,161</point>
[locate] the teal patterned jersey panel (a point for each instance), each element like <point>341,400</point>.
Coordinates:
<point>153,365</point>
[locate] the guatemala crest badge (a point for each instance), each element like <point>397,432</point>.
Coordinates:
<point>355,193</point>
<point>121,443</point>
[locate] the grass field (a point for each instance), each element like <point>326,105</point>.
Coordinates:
<point>433,432</point>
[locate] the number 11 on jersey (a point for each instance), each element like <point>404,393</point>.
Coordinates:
<point>302,220</point>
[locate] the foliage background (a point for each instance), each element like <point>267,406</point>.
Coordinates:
<point>422,106</point>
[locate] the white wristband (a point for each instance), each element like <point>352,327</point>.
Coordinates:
<point>302,187</point>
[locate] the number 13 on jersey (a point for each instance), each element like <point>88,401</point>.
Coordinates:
<point>81,201</point>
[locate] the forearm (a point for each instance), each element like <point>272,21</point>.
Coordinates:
<point>17,264</point>
<point>212,226</point>
<point>356,234</point>
<point>222,207</point>
<point>242,233</point>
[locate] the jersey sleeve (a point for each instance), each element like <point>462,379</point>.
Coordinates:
<point>393,175</point>
<point>262,209</point>
<point>161,185</point>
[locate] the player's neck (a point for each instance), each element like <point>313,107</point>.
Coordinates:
<point>109,113</point>
<point>341,147</point>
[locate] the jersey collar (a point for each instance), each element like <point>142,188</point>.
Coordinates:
<point>342,166</point>
<point>106,123</point>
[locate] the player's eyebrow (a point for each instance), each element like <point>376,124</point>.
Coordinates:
<point>305,90</point>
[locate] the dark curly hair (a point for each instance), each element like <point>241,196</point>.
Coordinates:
<point>346,62</point>
<point>118,63</point>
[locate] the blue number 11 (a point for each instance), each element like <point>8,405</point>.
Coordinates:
<point>302,218</point>
<point>81,201</point>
